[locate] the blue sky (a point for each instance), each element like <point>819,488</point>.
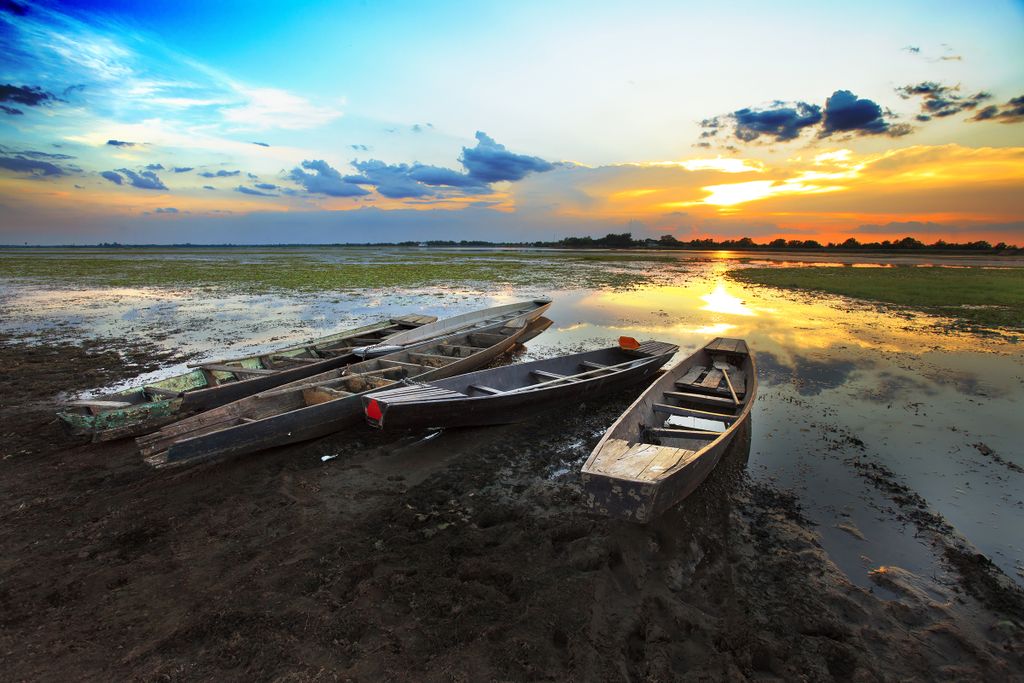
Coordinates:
<point>510,121</point>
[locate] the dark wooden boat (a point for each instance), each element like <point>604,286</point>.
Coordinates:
<point>667,443</point>
<point>515,392</point>
<point>141,409</point>
<point>458,323</point>
<point>325,403</point>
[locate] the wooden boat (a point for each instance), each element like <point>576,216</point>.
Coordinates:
<point>325,403</point>
<point>515,392</point>
<point>141,409</point>
<point>667,443</point>
<point>459,323</point>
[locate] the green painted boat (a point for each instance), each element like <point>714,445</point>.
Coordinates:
<point>143,409</point>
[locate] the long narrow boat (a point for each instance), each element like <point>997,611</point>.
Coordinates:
<point>459,323</point>
<point>325,403</point>
<point>141,409</point>
<point>515,392</point>
<point>667,443</point>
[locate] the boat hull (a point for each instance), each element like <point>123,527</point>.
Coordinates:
<point>504,409</point>
<point>627,496</point>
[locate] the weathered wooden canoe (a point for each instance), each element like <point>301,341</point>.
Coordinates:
<point>667,443</point>
<point>325,403</point>
<point>459,323</point>
<point>515,392</point>
<point>141,409</point>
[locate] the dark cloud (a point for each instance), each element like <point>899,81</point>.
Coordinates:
<point>219,174</point>
<point>266,186</point>
<point>12,7</point>
<point>438,176</point>
<point>490,162</point>
<point>144,180</point>
<point>1010,112</point>
<point>181,169</point>
<point>392,181</point>
<point>248,190</point>
<point>360,148</point>
<point>20,164</point>
<point>847,113</point>
<point>261,144</point>
<point>113,177</point>
<point>11,110</point>
<point>781,121</point>
<point>209,187</point>
<point>326,180</point>
<point>121,143</point>
<point>167,209</point>
<point>27,95</point>
<point>252,175</point>
<point>155,167</point>
<point>938,100</point>
<point>913,49</point>
<point>33,154</point>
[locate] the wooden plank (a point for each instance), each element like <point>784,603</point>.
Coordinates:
<point>693,412</point>
<point>548,375</point>
<point>593,365</point>
<point>484,389</point>
<point>703,399</point>
<point>669,433</point>
<point>237,369</point>
<point>295,359</point>
<point>691,375</point>
<point>713,379</point>
<point>400,364</point>
<point>468,350</point>
<point>160,391</point>
<point>105,405</point>
<point>433,357</point>
<point>616,461</point>
<point>666,459</point>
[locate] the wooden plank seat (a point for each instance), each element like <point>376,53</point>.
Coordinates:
<point>237,369</point>
<point>277,358</point>
<point>702,399</point>
<point>591,365</point>
<point>460,351</point>
<point>97,403</point>
<point>693,412</point>
<point>544,375</point>
<point>677,433</point>
<point>485,389</point>
<point>414,367</point>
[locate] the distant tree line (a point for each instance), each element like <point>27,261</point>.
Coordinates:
<point>623,240</point>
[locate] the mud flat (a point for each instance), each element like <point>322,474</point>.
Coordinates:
<point>466,557</point>
<point>857,532</point>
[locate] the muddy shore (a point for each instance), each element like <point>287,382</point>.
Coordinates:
<point>466,557</point>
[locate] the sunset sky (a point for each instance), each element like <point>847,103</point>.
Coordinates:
<point>241,122</point>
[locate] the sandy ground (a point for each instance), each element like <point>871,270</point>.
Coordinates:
<point>461,558</point>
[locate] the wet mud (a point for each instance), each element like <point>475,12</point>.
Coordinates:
<point>463,556</point>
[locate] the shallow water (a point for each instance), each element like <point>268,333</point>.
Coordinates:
<point>842,383</point>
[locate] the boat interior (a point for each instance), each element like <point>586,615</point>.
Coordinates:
<point>683,414</point>
<point>567,369</point>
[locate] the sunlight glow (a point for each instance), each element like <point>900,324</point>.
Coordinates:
<point>721,301</point>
